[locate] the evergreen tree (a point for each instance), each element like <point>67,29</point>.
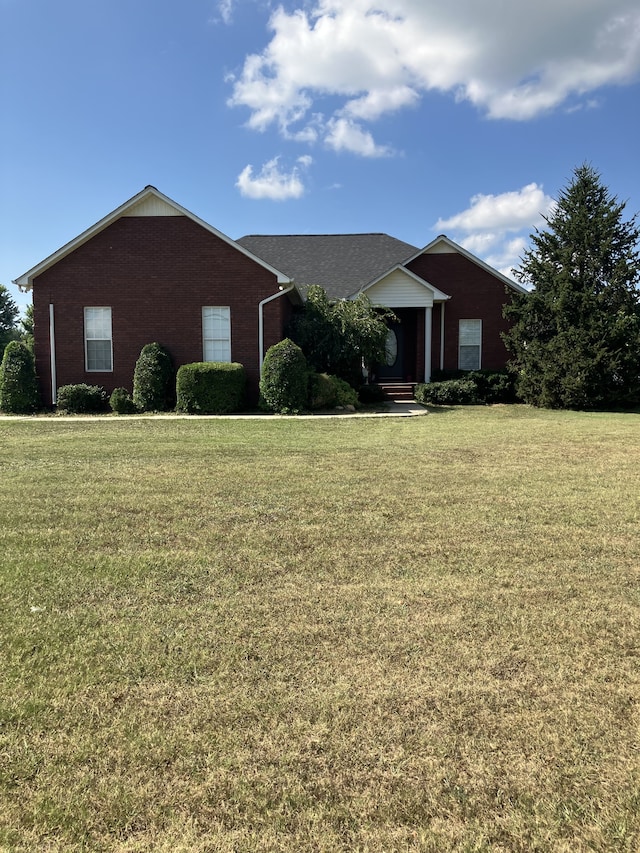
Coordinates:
<point>27,326</point>
<point>8,319</point>
<point>575,338</point>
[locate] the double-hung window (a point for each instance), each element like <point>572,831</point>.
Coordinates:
<point>98,342</point>
<point>216,333</point>
<point>469,344</point>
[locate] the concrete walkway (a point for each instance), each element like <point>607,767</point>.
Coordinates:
<point>392,409</point>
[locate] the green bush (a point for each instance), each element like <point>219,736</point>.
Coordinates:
<point>81,399</point>
<point>284,382</point>
<point>322,391</point>
<point>329,392</point>
<point>18,382</point>
<point>153,379</point>
<point>210,388</point>
<point>451,392</point>
<point>464,388</point>
<point>121,402</point>
<point>345,394</point>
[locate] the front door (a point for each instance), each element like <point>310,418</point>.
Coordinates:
<point>393,367</point>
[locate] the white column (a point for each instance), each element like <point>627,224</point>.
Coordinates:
<point>427,343</point>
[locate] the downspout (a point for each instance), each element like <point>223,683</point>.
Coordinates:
<point>52,354</point>
<point>261,320</point>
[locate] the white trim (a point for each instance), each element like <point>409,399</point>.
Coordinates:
<point>87,339</point>
<point>25,281</point>
<point>479,344</point>
<point>52,356</point>
<point>261,305</point>
<point>436,246</point>
<point>226,339</point>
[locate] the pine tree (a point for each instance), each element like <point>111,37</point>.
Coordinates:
<point>8,318</point>
<point>575,339</point>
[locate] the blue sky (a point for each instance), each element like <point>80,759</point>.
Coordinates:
<point>413,117</point>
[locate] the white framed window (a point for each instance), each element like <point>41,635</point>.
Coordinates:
<point>98,342</point>
<point>216,333</point>
<point>469,344</point>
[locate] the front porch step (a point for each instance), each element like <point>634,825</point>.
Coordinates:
<point>398,390</point>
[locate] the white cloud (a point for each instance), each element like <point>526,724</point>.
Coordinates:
<point>346,135</point>
<point>510,211</point>
<point>496,227</point>
<point>224,12</point>
<point>511,60</point>
<point>271,182</point>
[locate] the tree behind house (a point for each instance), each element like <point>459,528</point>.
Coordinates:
<point>575,338</point>
<point>8,319</point>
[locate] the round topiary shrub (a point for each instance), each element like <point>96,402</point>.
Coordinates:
<point>121,402</point>
<point>18,382</point>
<point>153,379</point>
<point>81,399</point>
<point>284,381</point>
<point>210,388</point>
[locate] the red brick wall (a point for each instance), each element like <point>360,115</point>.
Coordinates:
<point>475,295</point>
<point>156,274</point>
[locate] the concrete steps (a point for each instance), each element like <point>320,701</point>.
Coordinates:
<point>397,390</point>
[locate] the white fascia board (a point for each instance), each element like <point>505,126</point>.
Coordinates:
<point>25,281</point>
<point>438,295</point>
<point>454,247</point>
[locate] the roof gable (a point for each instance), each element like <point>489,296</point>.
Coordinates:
<point>444,245</point>
<point>402,288</point>
<point>148,202</point>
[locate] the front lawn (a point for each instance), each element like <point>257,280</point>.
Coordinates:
<point>321,635</point>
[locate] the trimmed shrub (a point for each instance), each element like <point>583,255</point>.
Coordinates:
<point>121,402</point>
<point>284,382</point>
<point>81,399</point>
<point>452,392</point>
<point>18,383</point>
<point>476,387</point>
<point>153,379</point>
<point>210,388</point>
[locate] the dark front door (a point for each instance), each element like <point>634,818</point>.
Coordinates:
<point>401,347</point>
<point>393,368</point>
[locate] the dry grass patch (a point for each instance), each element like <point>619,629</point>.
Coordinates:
<point>321,635</point>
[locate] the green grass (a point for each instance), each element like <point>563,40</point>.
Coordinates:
<point>321,635</point>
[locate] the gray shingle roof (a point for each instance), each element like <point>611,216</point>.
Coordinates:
<point>340,263</point>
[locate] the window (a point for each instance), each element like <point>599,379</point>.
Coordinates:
<point>97,339</point>
<point>216,333</point>
<point>469,344</point>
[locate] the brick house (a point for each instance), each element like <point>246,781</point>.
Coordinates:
<point>153,271</point>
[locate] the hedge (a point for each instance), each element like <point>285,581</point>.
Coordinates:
<point>81,399</point>
<point>210,388</point>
